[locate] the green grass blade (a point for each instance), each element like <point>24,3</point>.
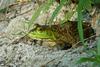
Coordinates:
<point>98,45</point>
<point>81,60</point>
<point>43,8</point>
<point>83,5</point>
<point>56,11</point>
<point>48,4</point>
<point>80,27</point>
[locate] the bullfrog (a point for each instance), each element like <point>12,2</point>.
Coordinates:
<point>61,34</point>
<point>65,35</point>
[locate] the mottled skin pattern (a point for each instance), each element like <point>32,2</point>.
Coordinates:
<point>66,33</point>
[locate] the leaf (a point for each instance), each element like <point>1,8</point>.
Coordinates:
<point>98,45</point>
<point>56,11</point>
<point>35,15</point>
<point>3,10</point>
<point>81,60</point>
<point>83,5</point>
<point>95,64</point>
<point>97,1</point>
<point>42,8</point>
<point>80,18</point>
<point>48,4</point>
<point>80,27</point>
<point>97,59</point>
<point>69,15</point>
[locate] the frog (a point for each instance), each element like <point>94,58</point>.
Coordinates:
<point>64,35</point>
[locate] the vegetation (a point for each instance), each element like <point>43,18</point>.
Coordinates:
<point>80,8</point>
<point>82,5</point>
<point>67,31</point>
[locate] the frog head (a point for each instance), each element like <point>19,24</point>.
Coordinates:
<point>42,32</point>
